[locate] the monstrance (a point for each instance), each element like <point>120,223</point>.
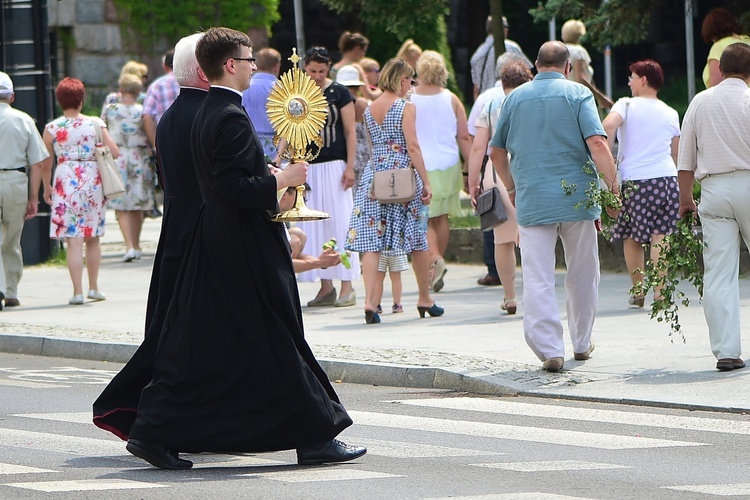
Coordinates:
<point>297,111</point>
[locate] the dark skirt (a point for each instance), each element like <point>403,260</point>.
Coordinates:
<point>650,207</point>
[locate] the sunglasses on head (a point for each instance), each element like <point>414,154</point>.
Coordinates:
<point>321,51</point>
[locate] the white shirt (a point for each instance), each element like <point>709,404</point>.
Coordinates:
<point>716,130</point>
<point>20,142</point>
<point>479,104</point>
<point>437,128</point>
<point>645,138</point>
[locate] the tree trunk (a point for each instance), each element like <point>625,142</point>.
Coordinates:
<point>498,32</point>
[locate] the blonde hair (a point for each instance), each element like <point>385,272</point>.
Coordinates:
<point>392,73</point>
<point>409,52</point>
<point>572,31</point>
<point>431,68</point>
<point>130,84</point>
<point>134,68</point>
<point>368,63</point>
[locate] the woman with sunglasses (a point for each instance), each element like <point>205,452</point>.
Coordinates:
<point>331,178</point>
<point>390,227</point>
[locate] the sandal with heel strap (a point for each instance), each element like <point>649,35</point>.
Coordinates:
<point>509,305</point>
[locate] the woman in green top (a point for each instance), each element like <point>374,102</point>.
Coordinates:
<point>721,28</point>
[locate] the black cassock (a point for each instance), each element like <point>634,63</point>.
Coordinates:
<point>115,408</point>
<point>232,370</point>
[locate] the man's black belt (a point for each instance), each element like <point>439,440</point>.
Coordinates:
<point>19,169</point>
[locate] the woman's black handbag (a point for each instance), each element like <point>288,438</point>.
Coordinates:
<point>490,207</point>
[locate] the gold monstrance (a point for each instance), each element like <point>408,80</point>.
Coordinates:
<point>297,111</point>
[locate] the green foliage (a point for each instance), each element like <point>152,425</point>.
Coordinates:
<point>615,22</point>
<point>679,260</point>
<point>387,24</point>
<point>402,19</point>
<point>598,196</point>
<point>149,20</point>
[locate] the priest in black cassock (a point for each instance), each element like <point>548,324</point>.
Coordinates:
<point>115,409</point>
<point>233,372</point>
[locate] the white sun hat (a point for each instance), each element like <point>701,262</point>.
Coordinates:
<point>348,76</point>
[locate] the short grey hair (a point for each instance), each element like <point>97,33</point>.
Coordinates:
<point>504,59</point>
<point>185,65</point>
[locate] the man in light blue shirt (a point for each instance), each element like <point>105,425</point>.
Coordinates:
<point>255,97</point>
<point>551,129</point>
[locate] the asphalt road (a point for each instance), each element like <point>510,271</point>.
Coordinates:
<point>422,444</point>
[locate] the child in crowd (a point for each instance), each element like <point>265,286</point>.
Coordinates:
<point>394,263</point>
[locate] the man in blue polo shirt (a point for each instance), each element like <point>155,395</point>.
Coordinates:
<point>552,131</point>
<point>268,62</point>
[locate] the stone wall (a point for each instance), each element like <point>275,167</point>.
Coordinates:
<point>95,51</point>
<point>465,246</point>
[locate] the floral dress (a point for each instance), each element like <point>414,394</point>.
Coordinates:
<point>77,208</point>
<point>388,227</point>
<point>125,125</point>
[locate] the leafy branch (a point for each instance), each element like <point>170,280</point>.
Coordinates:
<point>598,196</point>
<point>680,253</point>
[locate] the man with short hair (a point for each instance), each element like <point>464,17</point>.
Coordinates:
<point>233,372</point>
<point>254,99</point>
<point>482,62</point>
<point>159,97</point>
<point>715,151</point>
<point>22,149</point>
<point>550,126</point>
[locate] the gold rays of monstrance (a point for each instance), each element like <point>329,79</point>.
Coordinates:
<point>297,111</point>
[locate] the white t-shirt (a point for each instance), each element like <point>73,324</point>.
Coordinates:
<point>437,127</point>
<point>645,138</point>
<point>479,104</point>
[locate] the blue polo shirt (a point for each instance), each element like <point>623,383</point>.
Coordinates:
<point>254,101</point>
<point>544,125</point>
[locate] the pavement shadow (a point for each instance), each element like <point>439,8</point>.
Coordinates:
<point>657,376</point>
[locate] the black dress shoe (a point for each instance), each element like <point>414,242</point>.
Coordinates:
<point>330,452</point>
<point>12,303</point>
<point>156,455</point>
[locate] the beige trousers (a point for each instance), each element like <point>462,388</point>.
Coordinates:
<point>14,195</point>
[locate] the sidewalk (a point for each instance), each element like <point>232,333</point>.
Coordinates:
<point>475,347</point>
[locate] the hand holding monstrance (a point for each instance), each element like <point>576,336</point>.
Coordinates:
<point>297,111</point>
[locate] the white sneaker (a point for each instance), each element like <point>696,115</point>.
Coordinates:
<point>76,300</point>
<point>129,255</point>
<point>96,295</point>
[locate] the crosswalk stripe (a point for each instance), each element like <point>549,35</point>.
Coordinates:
<point>28,385</point>
<point>554,465</point>
<point>593,415</point>
<point>398,449</point>
<point>85,485</point>
<point>515,433</point>
<point>73,445</point>
<point>317,474</point>
<point>536,495</point>
<point>21,469</point>
<point>81,417</point>
<point>228,461</point>
<point>723,490</point>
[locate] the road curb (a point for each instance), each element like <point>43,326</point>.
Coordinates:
<point>354,372</point>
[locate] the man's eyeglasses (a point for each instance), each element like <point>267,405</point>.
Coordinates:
<point>248,59</point>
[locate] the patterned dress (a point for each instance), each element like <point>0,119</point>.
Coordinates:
<point>125,125</point>
<point>389,227</point>
<point>77,199</point>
